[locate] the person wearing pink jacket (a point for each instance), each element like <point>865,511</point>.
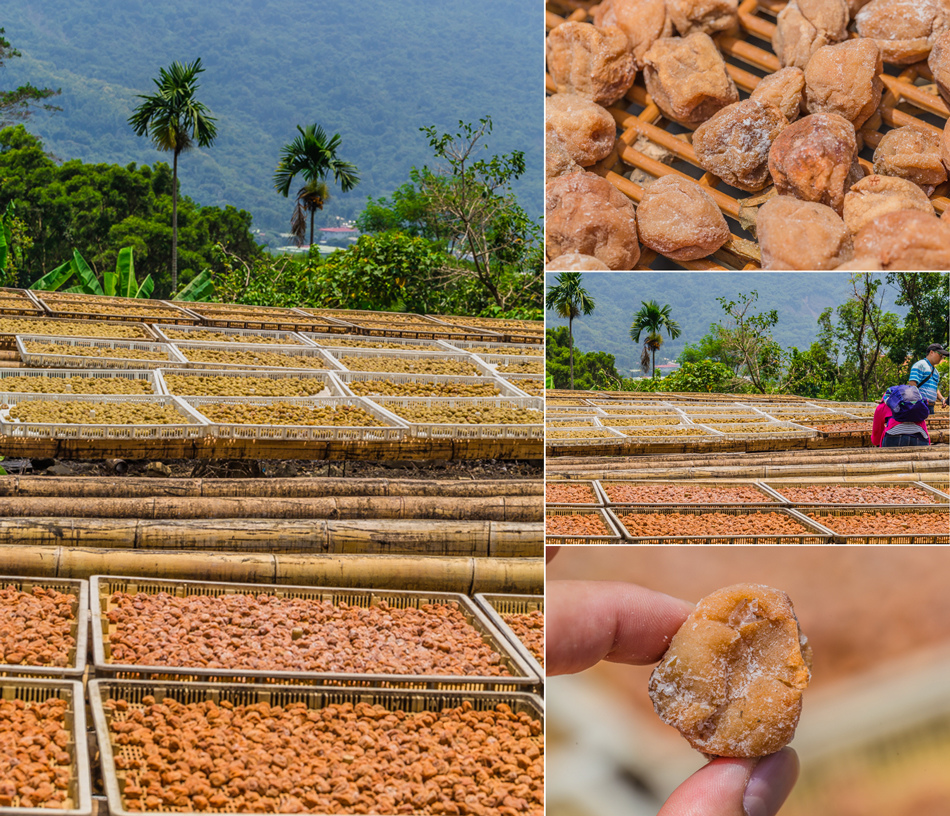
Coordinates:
<point>887,431</point>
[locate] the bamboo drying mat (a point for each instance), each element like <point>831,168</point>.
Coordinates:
<point>650,144</point>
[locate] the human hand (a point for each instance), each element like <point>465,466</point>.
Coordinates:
<point>590,621</point>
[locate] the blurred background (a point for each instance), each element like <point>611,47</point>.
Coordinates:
<point>874,735</point>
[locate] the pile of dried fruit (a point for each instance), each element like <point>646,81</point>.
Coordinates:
<point>646,412</point>
<point>856,494</point>
<point>266,633</point>
<point>85,305</point>
<point>621,421</point>
<point>36,627</point>
<point>64,328</point>
<point>381,343</point>
<point>683,494</point>
<point>263,359</point>
<point>841,427</point>
<point>96,413</point>
<point>35,765</point>
<point>408,365</point>
<point>94,351</point>
<point>508,369</point>
<point>287,413</point>
<point>468,414</point>
<point>666,430</point>
<point>199,386</point>
<point>569,493</point>
<point>423,388</point>
<point>648,525</point>
<point>592,433</point>
<point>210,336</point>
<point>576,524</point>
<point>571,422</point>
<point>766,429</point>
<point>342,758</point>
<point>75,385</point>
<point>887,523</point>
<point>533,387</point>
<point>529,629</point>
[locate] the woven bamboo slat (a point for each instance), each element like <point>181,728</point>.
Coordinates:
<point>448,574</point>
<point>138,487</point>
<point>910,98</point>
<point>500,508</point>
<point>363,536</point>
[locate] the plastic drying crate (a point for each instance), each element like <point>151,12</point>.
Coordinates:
<point>247,336</point>
<point>596,496</point>
<point>19,302</point>
<point>823,516</point>
<point>95,357</point>
<point>347,377</point>
<point>245,694</point>
<point>136,310</point>
<point>103,586</point>
<point>768,498</point>
<point>293,353</point>
<point>497,362</point>
<point>531,385</point>
<point>504,349</point>
<point>390,429</point>
<point>150,376</point>
<point>449,430</point>
<point>332,388</point>
<point>613,535</point>
<point>79,800</point>
<point>76,658</point>
<point>193,425</point>
<point>812,534</point>
<point>495,605</point>
<point>236,316</point>
<point>406,358</point>
<point>324,340</point>
<point>776,486</point>
<point>49,326</point>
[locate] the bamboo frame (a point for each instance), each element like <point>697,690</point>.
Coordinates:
<point>904,103</point>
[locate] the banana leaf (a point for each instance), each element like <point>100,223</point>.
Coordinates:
<point>85,274</point>
<point>51,281</point>
<point>199,288</point>
<point>125,271</point>
<point>79,289</point>
<point>145,290</point>
<point>3,246</point>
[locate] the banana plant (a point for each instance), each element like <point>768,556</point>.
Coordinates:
<point>121,282</point>
<point>199,288</point>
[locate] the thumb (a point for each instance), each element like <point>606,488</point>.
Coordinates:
<point>736,787</point>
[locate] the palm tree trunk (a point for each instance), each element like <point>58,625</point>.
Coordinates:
<point>175,223</point>
<point>570,334</point>
<point>312,212</point>
<point>653,351</point>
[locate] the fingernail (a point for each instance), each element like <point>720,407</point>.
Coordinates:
<point>770,783</point>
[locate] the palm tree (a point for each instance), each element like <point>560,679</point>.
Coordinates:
<point>313,156</point>
<point>652,319</point>
<point>310,198</point>
<point>569,299</point>
<point>175,121</point>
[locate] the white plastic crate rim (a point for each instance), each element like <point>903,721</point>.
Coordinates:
<point>431,430</point>
<point>334,388</point>
<point>193,425</point>
<point>394,354</point>
<point>152,377</point>
<point>392,428</point>
<point>308,352</point>
<point>94,359</point>
<point>326,340</point>
<point>505,388</point>
<point>247,336</point>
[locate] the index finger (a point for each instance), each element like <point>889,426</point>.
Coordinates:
<point>590,621</point>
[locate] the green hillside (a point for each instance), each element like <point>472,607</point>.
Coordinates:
<point>375,72</point>
<point>798,297</point>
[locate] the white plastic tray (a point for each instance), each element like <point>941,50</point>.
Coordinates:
<point>94,359</point>
<point>247,336</point>
<point>327,362</point>
<point>505,389</point>
<point>333,386</point>
<point>337,354</point>
<point>153,378</point>
<point>430,430</point>
<point>327,341</point>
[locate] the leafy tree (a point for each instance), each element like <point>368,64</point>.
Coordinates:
<point>175,121</point>
<point>471,202</point>
<point>703,376</point>
<point>750,339</point>
<point>18,104</point>
<point>928,296</point>
<point>652,319</point>
<point>407,210</point>
<point>312,155</point>
<point>595,370</point>
<point>711,346</point>
<point>570,300</point>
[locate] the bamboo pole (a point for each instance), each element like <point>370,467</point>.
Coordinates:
<point>436,574</point>
<point>502,508</point>
<point>302,487</point>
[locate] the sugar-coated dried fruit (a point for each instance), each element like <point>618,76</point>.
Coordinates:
<point>732,679</point>
<point>569,493</point>
<point>802,235</point>
<point>804,26</point>
<point>887,523</point>
<point>576,261</point>
<point>585,129</point>
<point>945,146</point>
<point>625,493</point>
<point>95,413</point>
<point>784,89</point>
<point>407,365</point>
<point>687,78</point>
<point>906,239</point>
<point>36,761</point>
<point>912,153</point>
<point>845,79</point>
<point>36,626</point>
<point>529,629</point>
<point>557,158</point>
<point>708,16</point>
<point>643,21</point>
<point>856,494</point>
<point>591,61</point>
<point>585,213</point>
<point>714,525</point>
<point>680,220</point>
<point>904,30</point>
<point>576,524</point>
<point>939,63</point>
<point>816,159</point>
<point>876,195</point>
<point>734,144</point>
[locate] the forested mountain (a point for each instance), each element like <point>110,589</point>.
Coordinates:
<point>798,297</point>
<point>374,72</point>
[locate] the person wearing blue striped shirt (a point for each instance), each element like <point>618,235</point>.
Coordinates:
<point>925,376</point>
